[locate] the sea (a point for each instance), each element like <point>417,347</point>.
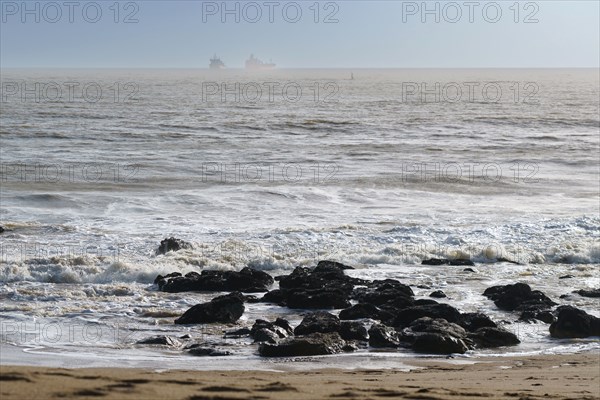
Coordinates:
<point>375,168</point>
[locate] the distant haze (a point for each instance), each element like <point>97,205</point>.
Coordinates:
<point>357,34</point>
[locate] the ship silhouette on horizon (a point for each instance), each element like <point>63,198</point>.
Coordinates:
<point>254,63</point>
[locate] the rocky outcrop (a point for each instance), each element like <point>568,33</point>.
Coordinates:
<point>438,294</point>
<point>225,309</point>
<point>311,345</point>
<point>493,337</point>
<point>320,321</point>
<point>518,297</point>
<point>574,323</point>
<point>172,244</point>
<point>473,321</point>
<point>406,316</point>
<point>588,292</point>
<point>247,280</point>
<point>383,336</point>
<point>325,286</point>
<point>360,311</point>
<point>162,340</point>
<point>265,331</point>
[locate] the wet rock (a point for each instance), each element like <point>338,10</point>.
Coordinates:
<point>436,325</point>
<point>406,316</point>
<point>207,352</point>
<point>533,315</point>
<point>383,336</point>
<point>518,297</point>
<point>172,244</point>
<point>352,330</point>
<point>311,345</point>
<point>469,270</point>
<point>488,337</point>
<point>246,280</point>
<point>436,343</point>
<point>265,331</point>
<point>225,309</point>
<point>325,264</point>
<point>319,321</point>
<point>237,333</point>
<point>588,293</point>
<point>265,335</point>
<point>359,311</point>
<point>1,229</point>
<point>388,291</point>
<point>318,298</point>
<point>565,277</point>
<point>574,323</point>
<point>438,294</point>
<point>473,321</point>
<point>445,261</point>
<point>160,278</point>
<point>161,340</point>
<point>276,296</point>
<point>325,286</point>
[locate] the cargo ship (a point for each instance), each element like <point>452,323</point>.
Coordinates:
<point>254,63</point>
<point>216,63</point>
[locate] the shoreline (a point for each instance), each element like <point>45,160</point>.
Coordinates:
<point>532,377</point>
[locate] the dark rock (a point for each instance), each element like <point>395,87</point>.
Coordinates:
<point>226,309</point>
<point>285,325</point>
<point>436,343</point>
<point>276,296</point>
<point>574,323</point>
<point>469,270</point>
<point>207,352</point>
<point>1,229</point>
<point>444,261</point>
<point>317,298</point>
<point>565,277</point>
<point>532,315</point>
<point>186,336</point>
<point>436,325</point>
<point>160,278</point>
<point>588,293</point>
<point>238,333</point>
<point>406,316</point>
<point>319,321</point>
<point>493,337</point>
<point>161,340</point>
<point>383,336</point>
<point>172,244</point>
<point>265,335</point>
<point>359,311</point>
<point>424,302</point>
<point>246,280</point>
<point>265,331</point>
<point>435,261</point>
<point>325,264</point>
<point>352,330</point>
<point>473,321</point>
<point>310,345</point>
<point>385,291</point>
<point>438,294</point>
<point>518,297</point>
<point>325,286</point>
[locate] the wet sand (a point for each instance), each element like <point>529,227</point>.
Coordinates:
<point>548,377</point>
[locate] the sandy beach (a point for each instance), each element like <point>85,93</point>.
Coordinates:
<point>549,377</point>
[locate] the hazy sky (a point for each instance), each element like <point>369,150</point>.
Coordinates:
<point>367,33</point>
